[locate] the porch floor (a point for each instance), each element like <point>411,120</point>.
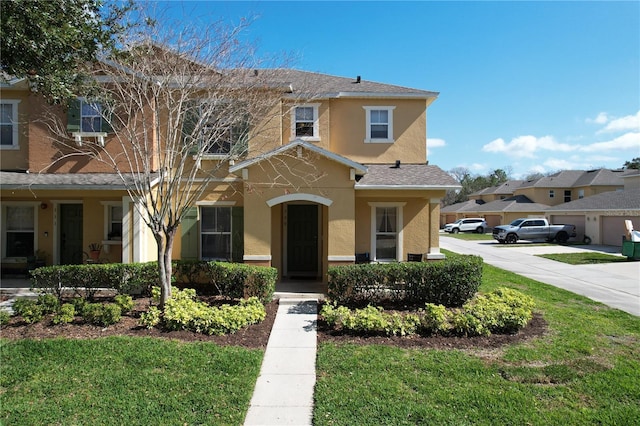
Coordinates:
<point>300,288</point>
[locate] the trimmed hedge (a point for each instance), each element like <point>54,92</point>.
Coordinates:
<point>450,282</point>
<point>235,280</point>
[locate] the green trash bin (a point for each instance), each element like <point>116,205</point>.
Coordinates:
<point>631,249</point>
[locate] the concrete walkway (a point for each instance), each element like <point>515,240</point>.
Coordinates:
<point>614,284</point>
<point>284,391</point>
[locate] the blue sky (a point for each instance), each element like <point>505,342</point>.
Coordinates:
<point>524,86</point>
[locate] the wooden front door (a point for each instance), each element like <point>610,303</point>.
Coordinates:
<point>70,219</point>
<point>302,240</point>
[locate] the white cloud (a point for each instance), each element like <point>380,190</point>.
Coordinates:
<point>527,146</point>
<point>435,142</point>
<point>601,118</point>
<point>628,141</point>
<point>623,124</point>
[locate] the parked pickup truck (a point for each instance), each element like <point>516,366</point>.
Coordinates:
<point>533,229</point>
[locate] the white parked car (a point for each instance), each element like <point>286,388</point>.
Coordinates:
<point>470,224</point>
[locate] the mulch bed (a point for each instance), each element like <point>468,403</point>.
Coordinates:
<point>256,336</point>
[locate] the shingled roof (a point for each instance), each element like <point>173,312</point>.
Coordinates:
<point>629,199</point>
<point>325,85</point>
<point>406,176</point>
<point>102,181</point>
<point>517,203</point>
<point>577,178</point>
<point>469,205</point>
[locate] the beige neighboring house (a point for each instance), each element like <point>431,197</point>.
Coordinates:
<point>597,202</point>
<point>345,173</point>
<point>601,217</point>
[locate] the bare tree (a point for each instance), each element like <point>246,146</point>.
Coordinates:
<point>175,101</point>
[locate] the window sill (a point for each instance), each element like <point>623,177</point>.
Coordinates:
<point>379,140</point>
<point>10,147</point>
<point>111,242</point>
<point>306,138</point>
<point>77,136</point>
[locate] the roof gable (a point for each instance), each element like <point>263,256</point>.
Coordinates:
<point>299,143</point>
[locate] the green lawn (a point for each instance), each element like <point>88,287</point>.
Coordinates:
<point>125,381</point>
<point>584,258</point>
<point>585,370</point>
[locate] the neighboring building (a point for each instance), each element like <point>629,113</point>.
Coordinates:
<point>596,201</point>
<point>363,143</point>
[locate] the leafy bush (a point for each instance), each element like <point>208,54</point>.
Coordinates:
<point>151,318</point>
<point>237,280</point>
<point>101,314</point>
<point>50,303</point>
<point>184,312</point>
<point>501,311</point>
<point>435,319</point>
<point>65,314</point>
<point>4,317</point>
<point>29,310</point>
<point>125,302</point>
<point>450,282</point>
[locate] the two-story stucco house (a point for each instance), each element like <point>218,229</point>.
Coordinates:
<point>344,172</point>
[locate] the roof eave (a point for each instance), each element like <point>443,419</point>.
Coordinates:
<point>407,187</point>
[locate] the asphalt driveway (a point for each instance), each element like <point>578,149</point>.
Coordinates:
<point>614,284</point>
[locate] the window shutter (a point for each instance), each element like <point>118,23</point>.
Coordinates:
<point>189,123</point>
<point>73,116</point>
<point>237,238</point>
<point>190,235</point>
<point>105,123</point>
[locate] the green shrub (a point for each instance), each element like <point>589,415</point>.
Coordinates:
<point>237,280</point>
<point>65,314</point>
<point>151,318</point>
<point>435,319</point>
<point>125,302</point>
<point>50,303</point>
<point>101,314</point>
<point>29,310</point>
<point>183,312</point>
<point>4,317</point>
<point>78,303</point>
<point>501,311</point>
<point>451,282</point>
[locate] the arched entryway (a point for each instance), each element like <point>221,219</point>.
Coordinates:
<point>301,235</point>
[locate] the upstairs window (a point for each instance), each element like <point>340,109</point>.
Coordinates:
<point>379,124</point>
<point>552,193</point>
<point>567,195</point>
<point>304,122</point>
<point>90,117</point>
<point>215,131</point>
<point>8,124</point>
<point>580,193</point>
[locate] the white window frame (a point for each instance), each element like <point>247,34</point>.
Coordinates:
<point>99,135</point>
<point>399,206</point>
<point>5,205</point>
<point>316,122</point>
<point>580,193</point>
<point>14,123</point>
<point>108,218</point>
<point>552,193</point>
<point>228,205</point>
<point>368,111</point>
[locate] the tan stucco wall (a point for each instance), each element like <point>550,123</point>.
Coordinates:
<point>47,236</point>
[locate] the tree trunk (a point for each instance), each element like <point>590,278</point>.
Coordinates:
<point>165,284</point>
<point>165,270</point>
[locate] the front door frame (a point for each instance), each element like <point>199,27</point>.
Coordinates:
<point>285,238</point>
